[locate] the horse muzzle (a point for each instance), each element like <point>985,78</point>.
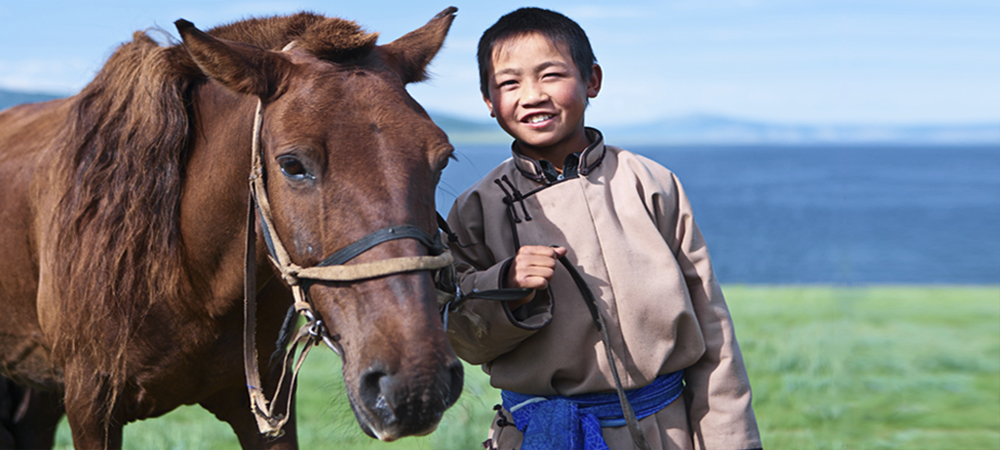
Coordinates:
<point>394,405</point>
<point>400,371</point>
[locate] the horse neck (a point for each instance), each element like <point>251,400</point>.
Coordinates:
<point>214,199</point>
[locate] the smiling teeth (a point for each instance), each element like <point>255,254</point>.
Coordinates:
<point>540,118</point>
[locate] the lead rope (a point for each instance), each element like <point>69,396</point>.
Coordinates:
<point>450,295</point>
<point>588,296</point>
<point>270,422</point>
<point>267,424</point>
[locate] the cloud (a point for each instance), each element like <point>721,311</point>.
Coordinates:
<point>58,76</point>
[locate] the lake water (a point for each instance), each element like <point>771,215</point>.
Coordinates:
<point>830,215</point>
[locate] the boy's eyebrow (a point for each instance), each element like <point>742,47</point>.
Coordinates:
<point>538,68</point>
<point>547,64</point>
<point>509,70</point>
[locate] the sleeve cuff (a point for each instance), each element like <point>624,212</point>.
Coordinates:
<point>533,315</point>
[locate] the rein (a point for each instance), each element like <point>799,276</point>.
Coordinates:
<point>588,296</point>
<point>299,278</point>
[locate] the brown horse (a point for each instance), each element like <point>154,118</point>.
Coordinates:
<point>123,216</point>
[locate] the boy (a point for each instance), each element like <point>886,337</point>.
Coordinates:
<point>625,224</point>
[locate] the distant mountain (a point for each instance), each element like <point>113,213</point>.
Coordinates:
<point>459,130</point>
<point>719,130</point>
<point>464,131</point>
<point>709,129</point>
<point>11,98</point>
<point>701,130</point>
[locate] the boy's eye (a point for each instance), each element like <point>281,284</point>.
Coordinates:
<point>507,83</point>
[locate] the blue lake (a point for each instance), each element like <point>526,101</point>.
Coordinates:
<point>830,215</point>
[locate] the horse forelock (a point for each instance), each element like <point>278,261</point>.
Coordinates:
<point>328,38</point>
<point>338,40</point>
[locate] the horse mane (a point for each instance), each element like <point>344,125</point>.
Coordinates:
<point>123,155</point>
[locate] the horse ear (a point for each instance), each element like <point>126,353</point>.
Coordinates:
<point>410,54</point>
<point>243,68</point>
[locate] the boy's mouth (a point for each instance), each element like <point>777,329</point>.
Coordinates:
<point>538,118</point>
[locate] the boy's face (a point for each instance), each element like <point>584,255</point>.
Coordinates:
<point>538,96</point>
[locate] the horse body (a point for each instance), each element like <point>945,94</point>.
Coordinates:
<point>124,218</point>
<point>23,169</point>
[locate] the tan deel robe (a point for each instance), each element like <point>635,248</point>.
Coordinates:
<point>630,232</point>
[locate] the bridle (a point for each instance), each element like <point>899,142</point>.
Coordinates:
<point>299,278</point>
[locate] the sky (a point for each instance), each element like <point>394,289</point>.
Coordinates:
<point>782,61</point>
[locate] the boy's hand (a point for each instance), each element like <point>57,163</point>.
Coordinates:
<point>532,268</point>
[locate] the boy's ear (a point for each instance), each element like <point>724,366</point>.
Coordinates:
<point>489,104</point>
<point>594,83</point>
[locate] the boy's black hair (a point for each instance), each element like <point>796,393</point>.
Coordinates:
<point>555,26</point>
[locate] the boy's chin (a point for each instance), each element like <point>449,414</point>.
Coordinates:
<point>544,143</point>
<point>538,139</point>
<point>536,144</point>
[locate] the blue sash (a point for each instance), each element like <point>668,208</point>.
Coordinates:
<point>574,422</point>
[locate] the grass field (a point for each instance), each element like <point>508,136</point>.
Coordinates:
<point>831,368</point>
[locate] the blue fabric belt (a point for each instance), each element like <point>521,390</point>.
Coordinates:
<point>574,422</point>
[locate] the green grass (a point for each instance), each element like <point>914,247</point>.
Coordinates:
<point>831,368</point>
<point>877,368</point>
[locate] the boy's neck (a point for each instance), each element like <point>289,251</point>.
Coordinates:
<point>557,153</point>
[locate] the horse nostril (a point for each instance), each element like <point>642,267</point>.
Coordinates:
<point>371,389</point>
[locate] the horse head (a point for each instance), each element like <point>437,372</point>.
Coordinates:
<point>345,151</point>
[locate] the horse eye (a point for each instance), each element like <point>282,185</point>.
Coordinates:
<point>292,167</point>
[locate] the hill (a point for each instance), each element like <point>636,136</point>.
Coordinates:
<point>11,98</point>
<point>711,129</point>
<point>720,130</point>
<point>464,132</point>
<point>702,130</point>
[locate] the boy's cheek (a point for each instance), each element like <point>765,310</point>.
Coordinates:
<point>494,94</point>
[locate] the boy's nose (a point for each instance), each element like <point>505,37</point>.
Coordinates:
<point>534,94</point>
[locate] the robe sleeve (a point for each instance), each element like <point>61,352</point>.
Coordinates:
<point>481,330</point>
<point>717,389</point>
